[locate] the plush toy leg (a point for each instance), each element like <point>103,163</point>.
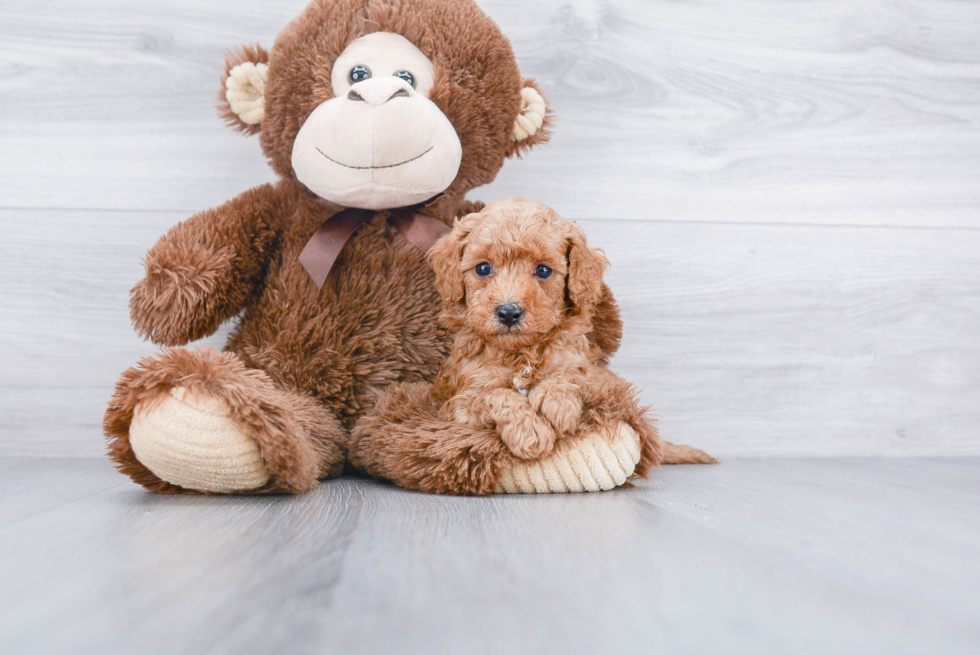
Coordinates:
<point>401,439</point>
<point>190,439</point>
<point>596,460</point>
<point>617,440</point>
<point>200,421</point>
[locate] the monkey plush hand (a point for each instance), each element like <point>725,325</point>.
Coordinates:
<point>378,116</point>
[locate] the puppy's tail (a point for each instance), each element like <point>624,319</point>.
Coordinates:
<point>674,454</point>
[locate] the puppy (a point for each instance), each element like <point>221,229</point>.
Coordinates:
<point>519,287</point>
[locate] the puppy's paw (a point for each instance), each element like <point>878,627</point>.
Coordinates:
<point>528,438</point>
<point>560,404</point>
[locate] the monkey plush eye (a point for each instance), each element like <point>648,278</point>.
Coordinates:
<point>359,74</point>
<point>408,77</point>
<point>483,269</point>
<point>543,272</point>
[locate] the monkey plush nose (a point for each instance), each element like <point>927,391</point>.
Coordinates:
<point>378,91</point>
<point>509,314</point>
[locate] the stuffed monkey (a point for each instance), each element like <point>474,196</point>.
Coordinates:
<point>377,116</point>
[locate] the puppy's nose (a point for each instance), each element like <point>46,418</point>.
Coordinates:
<point>509,314</point>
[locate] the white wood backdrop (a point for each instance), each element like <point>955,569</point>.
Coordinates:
<point>789,192</point>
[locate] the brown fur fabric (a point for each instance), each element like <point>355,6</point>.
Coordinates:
<point>402,439</point>
<point>527,384</point>
<point>301,355</point>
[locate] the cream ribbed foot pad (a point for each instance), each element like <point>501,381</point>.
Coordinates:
<point>192,441</point>
<point>597,462</point>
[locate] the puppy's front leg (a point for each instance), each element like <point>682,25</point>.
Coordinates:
<point>559,400</point>
<point>525,433</point>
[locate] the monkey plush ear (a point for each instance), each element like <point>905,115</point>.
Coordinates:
<point>241,101</point>
<point>533,124</point>
<point>585,268</point>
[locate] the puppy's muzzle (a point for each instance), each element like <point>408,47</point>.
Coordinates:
<point>509,314</point>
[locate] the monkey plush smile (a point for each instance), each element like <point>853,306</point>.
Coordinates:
<point>382,121</point>
<point>372,167</point>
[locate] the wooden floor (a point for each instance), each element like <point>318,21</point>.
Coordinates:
<point>750,556</point>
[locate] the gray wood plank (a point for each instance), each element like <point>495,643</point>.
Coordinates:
<point>801,340</point>
<point>831,112</point>
<point>760,556</point>
<point>746,339</point>
<point>30,486</point>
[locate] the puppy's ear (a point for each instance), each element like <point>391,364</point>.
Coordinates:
<point>241,101</point>
<point>445,257</point>
<point>585,268</point>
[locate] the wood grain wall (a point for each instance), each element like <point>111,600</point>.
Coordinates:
<point>789,192</point>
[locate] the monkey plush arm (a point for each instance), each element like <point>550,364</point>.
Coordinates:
<point>201,272</point>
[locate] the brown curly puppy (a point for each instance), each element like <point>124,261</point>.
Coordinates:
<point>524,403</point>
<point>520,286</point>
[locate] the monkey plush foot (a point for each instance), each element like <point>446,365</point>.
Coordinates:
<point>191,440</point>
<point>594,461</point>
<point>200,421</point>
<point>404,440</point>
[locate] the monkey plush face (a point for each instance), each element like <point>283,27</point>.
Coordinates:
<point>378,104</point>
<point>380,142</point>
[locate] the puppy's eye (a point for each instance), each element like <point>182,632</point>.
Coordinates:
<point>359,74</point>
<point>483,269</point>
<point>408,77</point>
<point>543,272</point>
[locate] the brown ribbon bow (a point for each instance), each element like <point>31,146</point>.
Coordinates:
<point>323,248</point>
